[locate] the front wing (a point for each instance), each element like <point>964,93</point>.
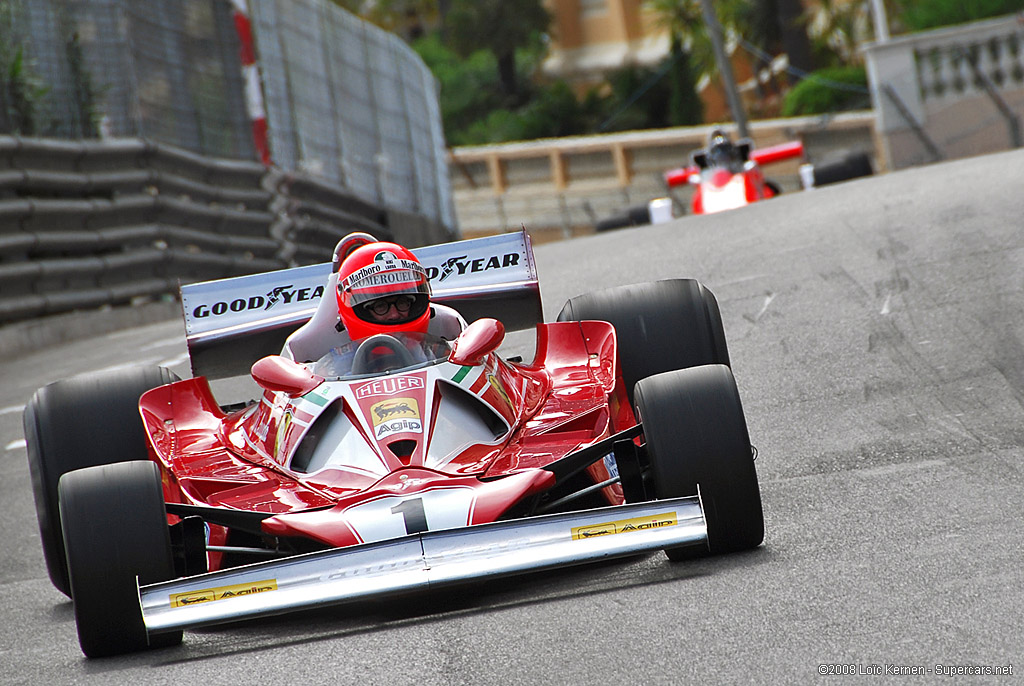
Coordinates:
<point>420,562</point>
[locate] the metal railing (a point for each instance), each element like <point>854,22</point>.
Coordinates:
<point>950,92</point>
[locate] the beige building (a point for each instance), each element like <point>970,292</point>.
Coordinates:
<point>591,37</point>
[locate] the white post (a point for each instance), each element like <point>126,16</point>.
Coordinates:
<point>881,20</point>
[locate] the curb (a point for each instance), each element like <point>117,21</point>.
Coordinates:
<point>25,337</point>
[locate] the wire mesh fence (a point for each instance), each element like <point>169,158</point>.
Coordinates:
<point>353,104</point>
<point>345,101</point>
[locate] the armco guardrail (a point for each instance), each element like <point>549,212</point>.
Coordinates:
<point>90,223</point>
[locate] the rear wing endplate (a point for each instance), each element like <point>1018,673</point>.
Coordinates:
<point>231,323</point>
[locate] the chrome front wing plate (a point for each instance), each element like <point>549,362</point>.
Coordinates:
<point>421,561</point>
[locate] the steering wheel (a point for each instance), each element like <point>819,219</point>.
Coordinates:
<point>369,359</point>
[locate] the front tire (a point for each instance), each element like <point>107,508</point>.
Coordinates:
<point>696,439</point>
<point>114,530</point>
<point>659,325</point>
<point>81,422</point>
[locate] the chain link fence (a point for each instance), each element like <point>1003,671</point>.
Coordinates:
<point>166,70</point>
<point>346,102</point>
<point>352,104</point>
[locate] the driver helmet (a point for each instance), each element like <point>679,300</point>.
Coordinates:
<point>721,152</point>
<point>382,288</point>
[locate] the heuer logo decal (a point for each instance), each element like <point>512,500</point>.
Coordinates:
<point>464,265</point>
<point>286,294</point>
<point>388,386</point>
<point>624,526</point>
<point>208,595</point>
<point>395,408</point>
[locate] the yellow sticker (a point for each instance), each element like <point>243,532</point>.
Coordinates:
<point>496,385</point>
<point>624,526</point>
<point>395,408</point>
<point>207,595</point>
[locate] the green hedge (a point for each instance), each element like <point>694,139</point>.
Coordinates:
<point>828,90</point>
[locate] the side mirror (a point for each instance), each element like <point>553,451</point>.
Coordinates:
<point>279,374</point>
<point>480,339</point>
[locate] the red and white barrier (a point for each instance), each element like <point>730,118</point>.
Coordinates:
<point>251,76</point>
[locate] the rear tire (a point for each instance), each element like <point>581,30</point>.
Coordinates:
<point>637,215</point>
<point>659,325</point>
<point>696,436</point>
<point>852,165</point>
<point>114,530</point>
<point>81,422</point>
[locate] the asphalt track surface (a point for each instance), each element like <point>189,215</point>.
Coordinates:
<point>876,332</point>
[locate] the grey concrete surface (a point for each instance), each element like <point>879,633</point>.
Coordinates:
<point>876,332</point>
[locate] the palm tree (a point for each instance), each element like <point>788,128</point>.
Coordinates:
<point>773,27</point>
<point>500,26</point>
<point>793,37</point>
<point>408,18</point>
<point>691,55</point>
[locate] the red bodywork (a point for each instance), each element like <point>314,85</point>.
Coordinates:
<point>569,397</point>
<point>719,188</point>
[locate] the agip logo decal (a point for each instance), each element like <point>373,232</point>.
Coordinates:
<point>208,595</point>
<point>623,526</point>
<point>395,408</point>
<point>395,415</point>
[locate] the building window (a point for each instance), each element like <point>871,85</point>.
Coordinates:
<point>589,8</point>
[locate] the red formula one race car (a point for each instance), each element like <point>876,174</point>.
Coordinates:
<point>728,175</point>
<point>390,463</point>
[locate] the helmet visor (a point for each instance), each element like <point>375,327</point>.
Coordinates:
<point>407,290</point>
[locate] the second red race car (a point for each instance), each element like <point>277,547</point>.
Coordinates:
<point>391,463</point>
<point>728,175</point>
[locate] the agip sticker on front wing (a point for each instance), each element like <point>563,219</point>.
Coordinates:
<point>623,526</point>
<point>207,595</point>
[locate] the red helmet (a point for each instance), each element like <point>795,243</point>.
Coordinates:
<point>382,288</point>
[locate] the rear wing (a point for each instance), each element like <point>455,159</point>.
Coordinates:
<point>231,323</point>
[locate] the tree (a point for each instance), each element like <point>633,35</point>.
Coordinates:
<point>499,26</point>
<point>21,91</point>
<point>793,37</point>
<point>408,18</point>
<point>919,15</point>
<point>685,107</point>
<point>691,54</point>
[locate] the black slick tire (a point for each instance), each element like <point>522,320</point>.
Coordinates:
<point>696,438</point>
<point>115,530</point>
<point>81,422</point>
<point>659,325</point>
